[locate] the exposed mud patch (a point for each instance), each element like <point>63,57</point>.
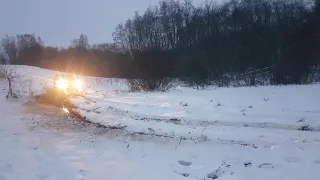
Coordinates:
<point>53,98</point>
<point>49,118</point>
<point>53,118</point>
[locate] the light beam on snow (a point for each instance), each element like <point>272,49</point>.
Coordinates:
<point>65,110</point>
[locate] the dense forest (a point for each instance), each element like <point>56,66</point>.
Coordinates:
<point>255,41</point>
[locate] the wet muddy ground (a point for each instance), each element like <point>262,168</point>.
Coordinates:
<point>44,117</point>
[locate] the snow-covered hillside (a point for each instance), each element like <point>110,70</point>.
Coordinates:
<point>218,133</point>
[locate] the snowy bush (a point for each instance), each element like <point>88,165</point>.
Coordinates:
<point>155,84</point>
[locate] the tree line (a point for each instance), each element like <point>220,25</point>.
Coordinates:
<point>254,41</point>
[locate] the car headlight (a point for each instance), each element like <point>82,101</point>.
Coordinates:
<point>77,84</point>
<point>62,84</point>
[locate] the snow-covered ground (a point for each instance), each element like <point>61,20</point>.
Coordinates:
<point>222,133</point>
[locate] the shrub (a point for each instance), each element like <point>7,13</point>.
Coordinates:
<point>9,73</point>
<point>154,84</point>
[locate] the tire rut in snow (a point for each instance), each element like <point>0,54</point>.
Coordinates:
<point>197,123</point>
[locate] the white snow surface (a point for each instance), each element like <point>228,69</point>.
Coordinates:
<point>218,133</point>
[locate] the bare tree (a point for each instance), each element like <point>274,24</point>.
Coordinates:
<point>29,49</point>
<point>9,73</point>
<point>10,48</point>
<point>82,43</point>
<point>3,60</point>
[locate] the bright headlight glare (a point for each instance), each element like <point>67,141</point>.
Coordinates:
<point>77,84</point>
<point>62,84</point>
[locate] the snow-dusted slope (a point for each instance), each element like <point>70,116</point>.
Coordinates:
<point>223,133</point>
<point>34,80</point>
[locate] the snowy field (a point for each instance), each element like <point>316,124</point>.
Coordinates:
<point>219,133</point>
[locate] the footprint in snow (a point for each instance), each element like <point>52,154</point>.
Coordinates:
<point>82,175</point>
<point>247,164</point>
<point>223,168</point>
<point>293,160</point>
<point>184,163</point>
<point>82,172</point>
<point>183,174</point>
<point>216,174</point>
<point>266,165</point>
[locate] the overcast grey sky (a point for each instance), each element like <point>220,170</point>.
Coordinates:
<point>57,22</point>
